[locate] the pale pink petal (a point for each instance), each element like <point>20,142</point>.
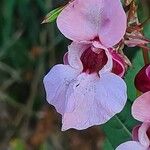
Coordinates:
<point>142,135</point>
<point>79,21</point>
<point>65,59</point>
<point>112,27</point>
<point>74,54</point>
<point>141,107</point>
<point>86,112</point>
<point>86,20</point>
<point>95,99</point>
<point>131,145</point>
<point>112,93</point>
<point>56,83</point>
<point>135,133</point>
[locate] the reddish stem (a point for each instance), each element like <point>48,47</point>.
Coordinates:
<point>145,56</point>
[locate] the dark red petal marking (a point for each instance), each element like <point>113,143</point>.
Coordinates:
<point>93,62</point>
<point>142,81</point>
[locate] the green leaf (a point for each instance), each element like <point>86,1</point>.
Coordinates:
<point>118,129</point>
<point>107,145</point>
<point>138,63</point>
<point>17,144</point>
<point>143,15</point>
<point>52,15</point>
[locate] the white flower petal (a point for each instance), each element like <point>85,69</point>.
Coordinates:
<point>56,83</point>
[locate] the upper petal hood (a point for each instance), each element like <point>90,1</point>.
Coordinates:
<point>56,83</point>
<point>85,20</point>
<point>112,27</point>
<point>79,21</point>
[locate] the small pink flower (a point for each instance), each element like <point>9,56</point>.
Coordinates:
<point>84,91</point>
<point>140,108</point>
<point>142,79</point>
<point>141,133</point>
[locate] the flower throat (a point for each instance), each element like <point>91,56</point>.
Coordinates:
<point>93,62</point>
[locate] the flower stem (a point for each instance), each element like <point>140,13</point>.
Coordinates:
<point>145,56</point>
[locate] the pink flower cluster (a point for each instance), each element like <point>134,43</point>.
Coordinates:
<point>141,112</point>
<point>88,88</point>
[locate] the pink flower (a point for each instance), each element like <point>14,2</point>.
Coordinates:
<point>85,92</point>
<point>141,133</point>
<point>142,79</point>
